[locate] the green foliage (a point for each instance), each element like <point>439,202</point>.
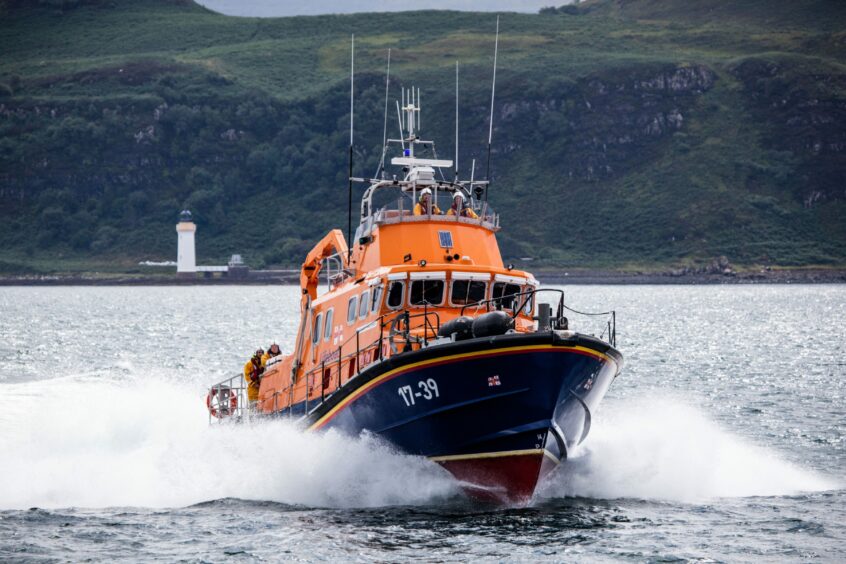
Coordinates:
<point>642,132</point>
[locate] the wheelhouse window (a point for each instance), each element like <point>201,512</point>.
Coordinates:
<point>507,295</point>
<point>364,304</point>
<point>327,332</point>
<point>315,332</point>
<point>426,292</point>
<point>377,298</point>
<point>465,292</point>
<point>352,307</point>
<point>396,294</point>
<point>529,308</point>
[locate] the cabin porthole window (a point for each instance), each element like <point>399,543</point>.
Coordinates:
<point>364,304</point>
<point>315,333</point>
<point>352,308</point>
<point>327,332</point>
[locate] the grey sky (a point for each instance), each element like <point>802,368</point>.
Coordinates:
<point>270,8</point>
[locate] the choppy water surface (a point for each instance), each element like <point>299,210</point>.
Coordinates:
<point>723,439</point>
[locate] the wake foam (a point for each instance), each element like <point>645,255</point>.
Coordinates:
<point>83,442</point>
<point>87,441</point>
<point>663,449</point>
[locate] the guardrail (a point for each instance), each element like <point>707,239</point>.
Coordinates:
<point>401,210</point>
<point>401,332</point>
<point>396,329</point>
<point>609,332</point>
<point>227,400</point>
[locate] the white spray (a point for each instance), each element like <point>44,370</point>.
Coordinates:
<point>662,448</point>
<point>90,442</point>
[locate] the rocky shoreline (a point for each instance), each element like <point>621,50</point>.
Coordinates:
<point>772,276</point>
<point>558,276</point>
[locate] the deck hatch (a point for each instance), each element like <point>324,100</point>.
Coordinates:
<point>445,238</point>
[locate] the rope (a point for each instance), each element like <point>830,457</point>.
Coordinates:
<point>597,314</point>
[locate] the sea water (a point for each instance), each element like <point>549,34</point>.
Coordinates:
<point>722,440</point>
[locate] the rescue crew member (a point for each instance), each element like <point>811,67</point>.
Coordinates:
<point>252,374</point>
<point>460,207</point>
<point>425,205</point>
<point>272,350</point>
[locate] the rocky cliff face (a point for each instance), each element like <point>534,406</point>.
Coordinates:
<point>607,121</point>
<point>621,136</point>
<point>803,114</point>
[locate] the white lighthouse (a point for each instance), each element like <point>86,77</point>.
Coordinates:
<point>186,259</point>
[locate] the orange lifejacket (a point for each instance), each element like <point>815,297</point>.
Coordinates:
<point>466,211</point>
<point>252,372</point>
<point>419,209</point>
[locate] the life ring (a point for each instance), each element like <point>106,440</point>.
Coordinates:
<point>221,402</point>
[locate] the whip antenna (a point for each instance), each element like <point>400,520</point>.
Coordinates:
<point>349,192</point>
<point>399,121</point>
<point>490,127</point>
<point>381,170</point>
<point>456,121</point>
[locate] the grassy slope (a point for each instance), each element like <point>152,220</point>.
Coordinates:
<point>717,186</point>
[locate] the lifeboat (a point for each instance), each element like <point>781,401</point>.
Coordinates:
<point>418,333</point>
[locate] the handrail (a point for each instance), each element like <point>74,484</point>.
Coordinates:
<point>515,311</point>
<point>594,314</point>
<point>396,212</point>
<point>377,346</point>
<point>345,359</point>
<point>611,325</point>
<point>220,399</point>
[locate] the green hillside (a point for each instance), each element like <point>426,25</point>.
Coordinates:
<point>628,133</point>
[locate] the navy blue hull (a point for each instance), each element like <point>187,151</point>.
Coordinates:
<point>465,404</point>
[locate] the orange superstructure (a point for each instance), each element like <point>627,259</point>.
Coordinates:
<point>432,266</point>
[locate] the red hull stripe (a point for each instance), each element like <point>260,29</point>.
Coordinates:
<point>391,374</point>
